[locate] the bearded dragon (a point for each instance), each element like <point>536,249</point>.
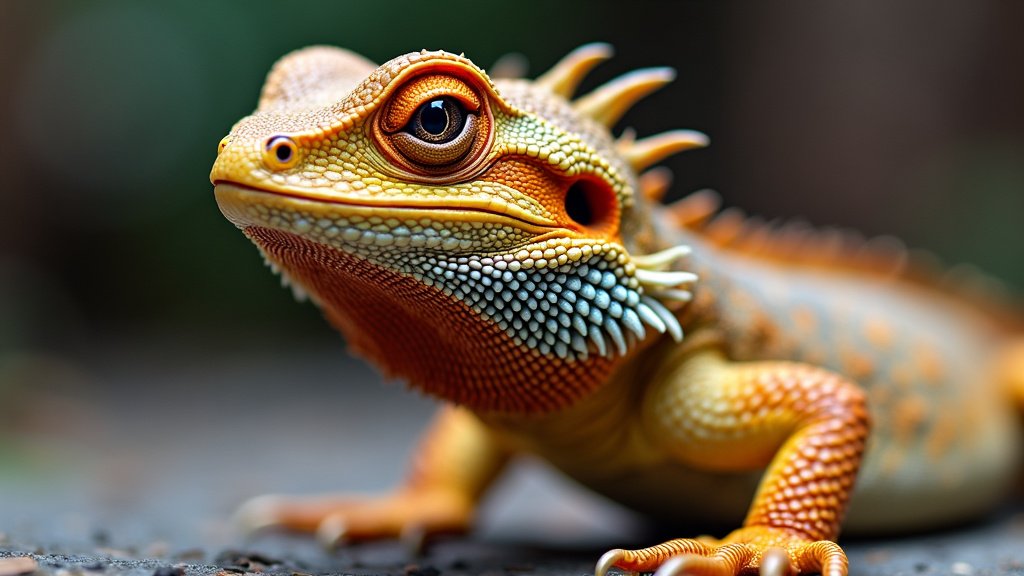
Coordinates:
<point>490,242</point>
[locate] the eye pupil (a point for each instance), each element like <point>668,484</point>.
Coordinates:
<point>434,118</point>
<point>283,152</point>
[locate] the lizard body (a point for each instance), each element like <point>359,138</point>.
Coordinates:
<point>491,243</point>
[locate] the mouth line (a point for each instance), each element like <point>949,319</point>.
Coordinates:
<point>520,221</point>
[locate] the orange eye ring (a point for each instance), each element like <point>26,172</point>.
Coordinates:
<point>435,126</point>
<point>280,153</point>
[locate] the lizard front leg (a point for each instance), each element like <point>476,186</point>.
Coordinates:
<point>456,462</point>
<point>806,424</point>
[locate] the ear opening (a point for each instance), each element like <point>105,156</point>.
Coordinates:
<point>591,204</point>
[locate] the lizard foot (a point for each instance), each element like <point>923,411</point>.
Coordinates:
<point>410,515</point>
<point>751,550</point>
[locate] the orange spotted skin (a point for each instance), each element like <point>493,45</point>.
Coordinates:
<point>925,361</point>
<point>806,488</point>
<point>489,242</point>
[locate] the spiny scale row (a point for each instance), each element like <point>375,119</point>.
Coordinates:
<point>569,311</point>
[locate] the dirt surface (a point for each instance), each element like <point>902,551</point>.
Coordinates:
<point>129,460</point>
<point>990,549</point>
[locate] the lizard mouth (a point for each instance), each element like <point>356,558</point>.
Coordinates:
<point>297,212</point>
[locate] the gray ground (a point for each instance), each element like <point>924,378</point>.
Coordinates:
<point>131,459</point>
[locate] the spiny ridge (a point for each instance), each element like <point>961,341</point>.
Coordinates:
<point>692,210</point>
<point>565,76</point>
<point>608,102</point>
<point>649,151</point>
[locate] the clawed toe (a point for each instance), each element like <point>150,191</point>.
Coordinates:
<point>332,531</point>
<point>775,562</point>
<point>608,560</point>
<point>255,514</point>
<point>770,553</point>
<point>691,564</point>
<point>825,557</point>
<point>728,561</point>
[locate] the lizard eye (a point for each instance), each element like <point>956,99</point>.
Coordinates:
<point>280,153</point>
<point>438,121</point>
<point>434,125</point>
<point>439,133</point>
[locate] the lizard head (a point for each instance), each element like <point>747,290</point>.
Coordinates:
<point>479,238</point>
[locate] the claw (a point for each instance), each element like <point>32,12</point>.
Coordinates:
<point>608,560</point>
<point>332,531</point>
<point>694,565</point>
<point>775,562</point>
<point>414,538</point>
<point>257,513</point>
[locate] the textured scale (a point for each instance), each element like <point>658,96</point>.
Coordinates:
<point>513,260</point>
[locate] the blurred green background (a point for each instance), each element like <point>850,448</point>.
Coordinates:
<point>904,118</point>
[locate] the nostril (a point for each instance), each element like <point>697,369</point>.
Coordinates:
<point>589,203</point>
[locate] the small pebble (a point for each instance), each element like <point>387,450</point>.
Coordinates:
<point>17,565</point>
<point>961,569</point>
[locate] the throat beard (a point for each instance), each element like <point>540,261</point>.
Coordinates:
<point>432,340</point>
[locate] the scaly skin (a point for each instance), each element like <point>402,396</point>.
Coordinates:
<point>489,242</point>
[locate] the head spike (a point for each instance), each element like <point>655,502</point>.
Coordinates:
<point>610,101</point>
<point>627,138</point>
<point>567,74</point>
<point>654,183</point>
<point>653,149</point>
<point>510,65</point>
<point>694,210</point>
<point>726,227</point>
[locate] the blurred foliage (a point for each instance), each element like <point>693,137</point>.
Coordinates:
<point>113,110</point>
